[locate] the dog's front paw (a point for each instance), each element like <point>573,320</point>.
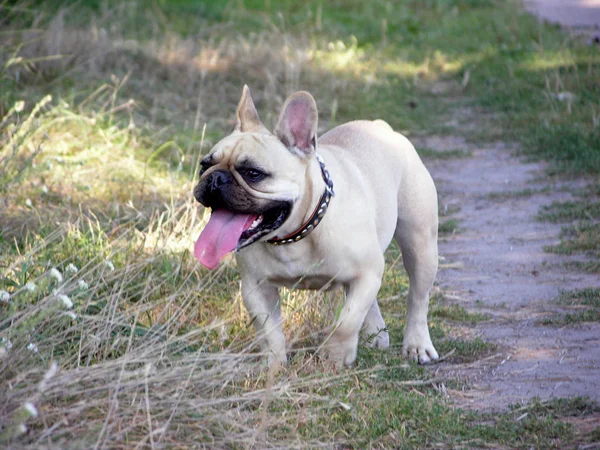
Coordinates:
<point>276,362</point>
<point>417,345</point>
<point>342,352</point>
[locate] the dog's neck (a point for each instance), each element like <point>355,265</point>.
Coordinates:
<point>308,213</point>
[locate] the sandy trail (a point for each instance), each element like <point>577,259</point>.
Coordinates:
<point>505,273</point>
<point>571,13</point>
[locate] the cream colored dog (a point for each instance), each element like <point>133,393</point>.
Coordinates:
<point>319,214</point>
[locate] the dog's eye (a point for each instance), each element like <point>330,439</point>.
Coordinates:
<point>204,164</point>
<point>252,175</point>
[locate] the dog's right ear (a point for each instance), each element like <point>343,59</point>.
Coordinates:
<point>246,116</point>
<point>297,124</point>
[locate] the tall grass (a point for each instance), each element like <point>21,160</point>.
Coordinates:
<point>110,329</point>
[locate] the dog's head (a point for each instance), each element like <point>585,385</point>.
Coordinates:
<point>253,178</point>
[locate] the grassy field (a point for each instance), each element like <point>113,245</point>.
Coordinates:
<point>113,336</point>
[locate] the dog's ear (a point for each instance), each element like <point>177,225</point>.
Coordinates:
<point>246,116</point>
<point>297,124</point>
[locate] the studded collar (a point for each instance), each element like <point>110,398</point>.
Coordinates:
<point>317,214</point>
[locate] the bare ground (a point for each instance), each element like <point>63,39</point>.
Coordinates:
<point>496,265</point>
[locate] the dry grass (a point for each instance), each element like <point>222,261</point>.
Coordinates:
<point>176,78</point>
<point>139,360</point>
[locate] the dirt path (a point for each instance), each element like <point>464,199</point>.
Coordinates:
<point>571,13</point>
<point>500,269</point>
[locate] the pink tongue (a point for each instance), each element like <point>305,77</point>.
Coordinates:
<point>220,236</point>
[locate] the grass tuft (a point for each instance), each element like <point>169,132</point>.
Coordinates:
<point>449,226</point>
<point>431,153</point>
<point>569,211</point>
<point>582,237</point>
<point>571,148</point>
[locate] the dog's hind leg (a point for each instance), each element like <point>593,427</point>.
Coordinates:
<point>418,241</point>
<point>374,328</point>
<point>360,292</point>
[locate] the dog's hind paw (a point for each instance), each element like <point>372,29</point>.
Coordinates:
<point>380,340</point>
<point>417,346</point>
<point>422,355</point>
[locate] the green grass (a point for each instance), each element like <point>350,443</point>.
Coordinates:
<point>449,226</point>
<point>571,147</point>
<point>570,211</point>
<point>583,237</point>
<point>156,351</point>
<point>572,318</point>
<point>589,297</point>
<point>583,266</point>
<point>587,303</point>
<point>583,233</point>
<point>431,153</point>
<point>457,313</point>
<point>523,193</point>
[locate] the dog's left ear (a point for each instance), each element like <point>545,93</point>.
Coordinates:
<point>297,124</point>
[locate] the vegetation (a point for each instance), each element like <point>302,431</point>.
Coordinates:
<point>111,335</point>
<point>584,302</point>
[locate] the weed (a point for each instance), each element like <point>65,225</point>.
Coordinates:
<point>449,226</point>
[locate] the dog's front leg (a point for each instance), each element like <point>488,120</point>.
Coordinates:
<point>360,294</point>
<point>263,304</point>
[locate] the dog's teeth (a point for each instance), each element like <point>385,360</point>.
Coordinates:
<point>256,222</point>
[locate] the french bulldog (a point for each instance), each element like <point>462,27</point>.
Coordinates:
<point>318,214</point>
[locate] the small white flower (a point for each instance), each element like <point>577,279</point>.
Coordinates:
<point>22,429</point>
<point>28,203</point>
<point>47,376</point>
<point>30,408</point>
<point>109,265</point>
<point>30,287</point>
<point>6,343</point>
<point>45,189</point>
<point>71,314</point>
<point>19,106</point>
<point>55,273</point>
<point>82,284</point>
<point>66,301</point>
<point>32,347</point>
<point>71,268</point>
<point>4,296</point>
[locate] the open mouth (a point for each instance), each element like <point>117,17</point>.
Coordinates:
<point>227,231</point>
<point>264,224</point>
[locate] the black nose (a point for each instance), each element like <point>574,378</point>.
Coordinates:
<point>218,178</point>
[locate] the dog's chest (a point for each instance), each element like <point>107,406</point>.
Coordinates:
<point>314,282</point>
<point>302,270</point>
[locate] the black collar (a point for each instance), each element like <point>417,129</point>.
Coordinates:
<point>317,214</point>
